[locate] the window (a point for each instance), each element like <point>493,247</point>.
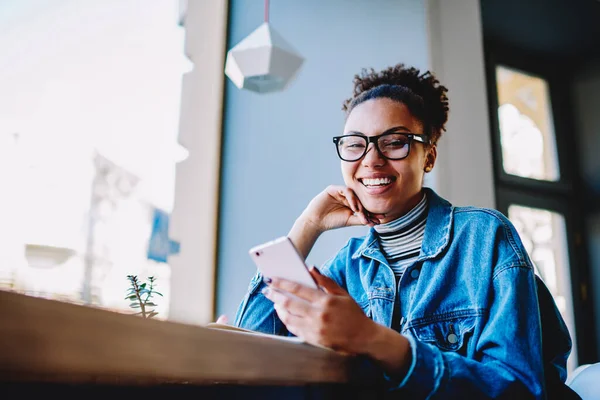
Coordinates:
<point>536,185</point>
<point>526,125</point>
<point>543,233</point>
<point>89,112</point>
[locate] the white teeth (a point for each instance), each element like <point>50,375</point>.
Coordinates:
<point>376,182</point>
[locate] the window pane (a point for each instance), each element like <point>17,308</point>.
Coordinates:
<point>544,237</point>
<point>88,145</point>
<point>526,126</point>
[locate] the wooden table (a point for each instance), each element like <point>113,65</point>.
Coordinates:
<point>51,347</point>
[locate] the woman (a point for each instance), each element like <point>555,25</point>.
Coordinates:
<point>443,298</point>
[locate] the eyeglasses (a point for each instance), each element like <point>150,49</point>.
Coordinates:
<point>393,146</point>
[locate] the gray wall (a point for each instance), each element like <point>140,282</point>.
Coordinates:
<point>586,90</point>
<point>277,149</point>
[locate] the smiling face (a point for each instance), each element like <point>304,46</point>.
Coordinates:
<point>390,187</point>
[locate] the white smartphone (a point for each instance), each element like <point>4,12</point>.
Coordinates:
<point>280,259</point>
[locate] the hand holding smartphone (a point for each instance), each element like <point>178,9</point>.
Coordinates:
<point>280,259</point>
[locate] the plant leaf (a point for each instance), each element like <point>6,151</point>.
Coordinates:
<point>150,304</point>
<point>143,285</point>
<point>134,305</point>
<point>158,293</point>
<point>152,314</point>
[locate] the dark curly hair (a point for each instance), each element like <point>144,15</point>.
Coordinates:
<point>422,94</point>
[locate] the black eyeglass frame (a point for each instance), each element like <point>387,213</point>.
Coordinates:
<point>422,138</point>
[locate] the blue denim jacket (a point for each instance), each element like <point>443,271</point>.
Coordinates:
<point>468,305</point>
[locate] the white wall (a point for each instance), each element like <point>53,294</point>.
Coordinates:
<point>464,170</point>
<point>277,148</point>
<point>194,216</point>
<point>263,189</point>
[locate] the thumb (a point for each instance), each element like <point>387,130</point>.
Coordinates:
<point>325,282</point>
<point>222,319</point>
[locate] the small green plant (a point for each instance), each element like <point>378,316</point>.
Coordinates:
<point>140,294</point>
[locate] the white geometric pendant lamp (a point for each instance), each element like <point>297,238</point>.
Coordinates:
<point>264,61</point>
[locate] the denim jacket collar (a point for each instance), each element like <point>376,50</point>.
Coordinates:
<point>436,237</point>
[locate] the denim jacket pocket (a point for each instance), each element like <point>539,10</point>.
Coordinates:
<point>446,334</point>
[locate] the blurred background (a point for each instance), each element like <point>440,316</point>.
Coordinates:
<point>126,150</point>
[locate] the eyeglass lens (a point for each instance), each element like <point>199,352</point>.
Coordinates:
<point>353,147</point>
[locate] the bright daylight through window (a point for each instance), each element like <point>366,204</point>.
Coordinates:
<point>89,112</point>
<point>526,126</point>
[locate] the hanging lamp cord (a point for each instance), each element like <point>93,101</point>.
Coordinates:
<point>267,11</point>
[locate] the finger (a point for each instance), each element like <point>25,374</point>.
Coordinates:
<point>360,211</point>
<point>337,192</point>
<point>348,198</point>
<point>326,283</point>
<point>297,289</point>
<point>374,216</point>
<point>362,219</point>
<point>291,322</point>
<point>374,221</point>
<point>291,304</point>
<point>341,195</point>
<point>359,205</point>
<point>303,328</point>
<point>222,319</point>
<point>351,199</point>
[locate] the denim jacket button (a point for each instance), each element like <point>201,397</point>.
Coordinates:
<point>452,338</point>
<point>414,273</point>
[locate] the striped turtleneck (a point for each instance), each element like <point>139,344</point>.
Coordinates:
<point>401,239</point>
